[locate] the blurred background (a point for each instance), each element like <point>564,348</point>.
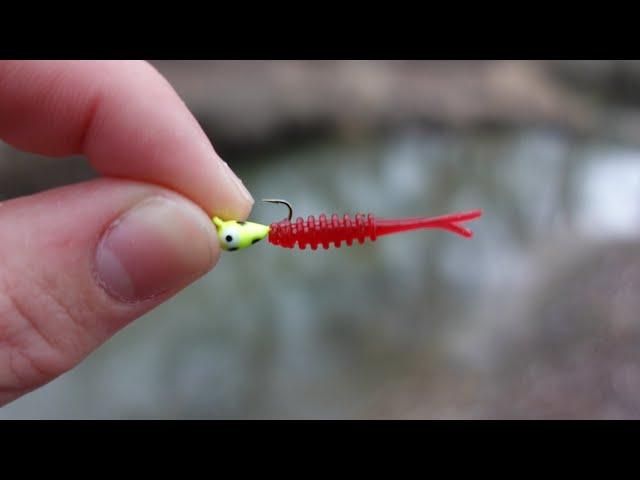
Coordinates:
<point>538,316</point>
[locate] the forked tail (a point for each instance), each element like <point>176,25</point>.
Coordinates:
<point>445,222</point>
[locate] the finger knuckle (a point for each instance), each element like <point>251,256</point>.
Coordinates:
<point>37,334</point>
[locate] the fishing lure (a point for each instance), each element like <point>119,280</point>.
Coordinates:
<point>235,235</point>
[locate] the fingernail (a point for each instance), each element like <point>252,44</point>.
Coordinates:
<point>238,183</point>
<point>158,246</point>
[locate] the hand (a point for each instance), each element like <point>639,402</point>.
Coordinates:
<point>79,263</point>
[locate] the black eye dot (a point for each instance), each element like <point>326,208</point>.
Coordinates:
<point>241,223</point>
<point>228,238</point>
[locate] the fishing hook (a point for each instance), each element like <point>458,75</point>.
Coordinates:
<point>281,202</point>
<point>325,230</point>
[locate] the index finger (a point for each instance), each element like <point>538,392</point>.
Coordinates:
<point>128,121</point>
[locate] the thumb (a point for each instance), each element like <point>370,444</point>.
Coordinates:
<point>80,262</point>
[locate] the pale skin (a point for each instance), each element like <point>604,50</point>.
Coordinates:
<point>79,263</point>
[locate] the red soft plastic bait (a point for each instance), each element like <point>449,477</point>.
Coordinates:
<point>334,230</point>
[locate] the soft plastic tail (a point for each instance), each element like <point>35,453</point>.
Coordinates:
<point>445,222</point>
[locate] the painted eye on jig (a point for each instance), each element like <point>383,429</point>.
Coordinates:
<point>234,235</point>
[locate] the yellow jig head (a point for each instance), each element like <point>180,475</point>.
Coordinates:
<point>234,235</point>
